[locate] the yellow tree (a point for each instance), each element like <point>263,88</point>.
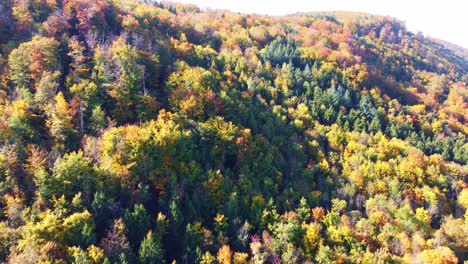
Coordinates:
<point>224,255</point>
<point>60,120</point>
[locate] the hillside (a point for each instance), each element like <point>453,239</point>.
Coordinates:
<point>459,51</point>
<point>140,132</point>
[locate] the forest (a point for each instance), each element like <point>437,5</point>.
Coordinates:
<point>143,132</point>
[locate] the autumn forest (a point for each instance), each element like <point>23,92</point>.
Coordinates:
<point>146,132</point>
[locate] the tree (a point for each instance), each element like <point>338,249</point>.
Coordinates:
<point>439,255</point>
<point>7,179</point>
<point>324,255</point>
<point>20,120</point>
<point>312,239</point>
<point>463,198</point>
<point>150,250</point>
<point>207,258</point>
<point>97,120</point>
<point>137,221</point>
<point>102,205</point>
<point>88,15</point>
<point>47,89</point>
<point>224,255</point>
<point>193,242</point>
<point>281,51</point>
<point>31,60</point>
<point>78,67</point>
<point>71,174</point>
<point>375,125</point>
<point>115,243</point>
<point>86,92</point>
<point>240,258</point>
<point>220,228</point>
<point>303,211</point>
<point>60,120</point>
<point>19,62</point>
<point>128,79</point>
<point>79,229</point>
<point>21,12</point>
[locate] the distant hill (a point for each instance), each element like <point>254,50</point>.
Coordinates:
<point>458,50</point>
<point>342,16</point>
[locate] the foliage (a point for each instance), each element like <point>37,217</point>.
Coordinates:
<point>150,132</point>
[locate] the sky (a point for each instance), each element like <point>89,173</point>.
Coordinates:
<point>447,19</point>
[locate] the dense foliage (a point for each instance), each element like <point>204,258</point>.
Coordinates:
<point>136,132</point>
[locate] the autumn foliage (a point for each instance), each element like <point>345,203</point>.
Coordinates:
<point>145,132</point>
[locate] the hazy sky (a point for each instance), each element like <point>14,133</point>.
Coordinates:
<point>447,19</point>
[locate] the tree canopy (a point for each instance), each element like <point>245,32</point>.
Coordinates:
<point>149,132</point>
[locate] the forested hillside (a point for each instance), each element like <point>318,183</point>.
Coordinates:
<point>145,132</point>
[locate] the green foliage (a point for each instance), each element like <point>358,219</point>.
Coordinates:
<point>71,173</point>
<point>137,221</point>
<point>281,51</point>
<point>150,250</point>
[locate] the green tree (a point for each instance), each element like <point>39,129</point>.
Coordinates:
<point>137,221</point>
<point>129,79</point>
<point>71,174</point>
<point>151,250</point>
<point>86,92</point>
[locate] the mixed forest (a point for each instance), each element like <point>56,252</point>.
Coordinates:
<point>150,132</point>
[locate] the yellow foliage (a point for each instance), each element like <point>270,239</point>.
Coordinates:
<point>224,255</point>
<point>207,258</point>
<point>418,109</point>
<point>378,218</point>
<point>463,198</point>
<point>312,237</point>
<point>61,119</point>
<point>380,187</point>
<point>324,165</point>
<point>38,233</point>
<point>219,218</point>
<point>440,255</point>
<point>20,108</point>
<point>437,127</point>
<point>130,24</point>
<point>96,254</point>
<point>76,219</point>
<point>240,258</point>
<point>423,216</point>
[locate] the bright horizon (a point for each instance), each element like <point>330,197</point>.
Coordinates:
<point>445,20</point>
